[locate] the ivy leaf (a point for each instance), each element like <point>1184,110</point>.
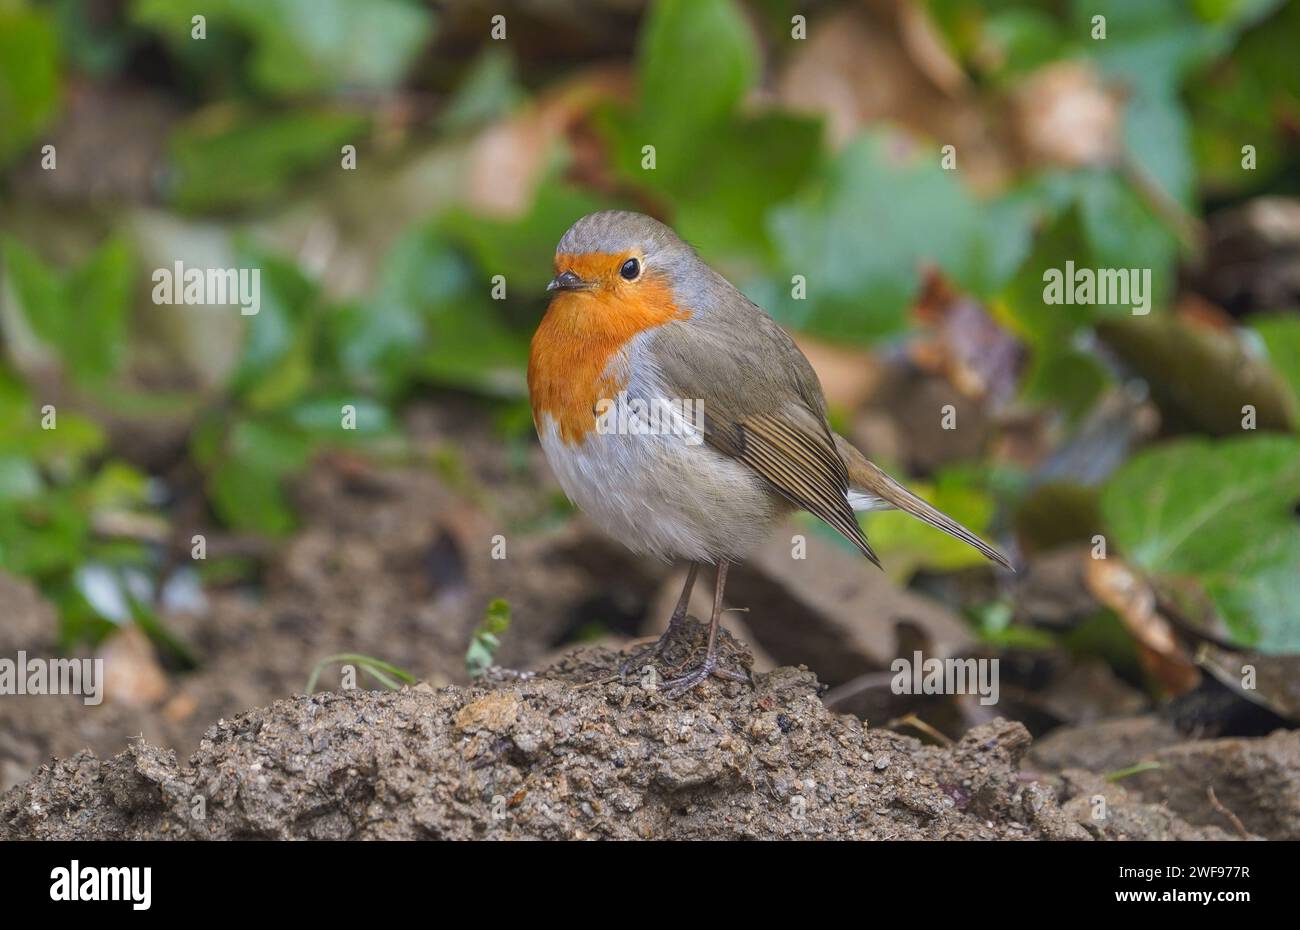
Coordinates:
<point>29,77</point>
<point>1281,335</point>
<point>884,212</point>
<point>739,168</point>
<point>697,59</point>
<point>230,157</point>
<point>275,364</point>
<point>1223,514</point>
<point>81,317</point>
<point>488,91</point>
<point>306,46</point>
<point>718,170</point>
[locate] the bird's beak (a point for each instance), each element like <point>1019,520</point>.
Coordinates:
<point>567,281</point>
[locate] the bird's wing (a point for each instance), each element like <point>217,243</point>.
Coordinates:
<point>866,476</point>
<point>762,405</point>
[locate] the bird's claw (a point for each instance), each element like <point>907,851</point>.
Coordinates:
<point>638,660</point>
<point>676,687</point>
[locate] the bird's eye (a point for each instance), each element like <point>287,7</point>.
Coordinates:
<point>630,270</point>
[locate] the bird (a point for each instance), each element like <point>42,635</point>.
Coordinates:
<point>683,420</point>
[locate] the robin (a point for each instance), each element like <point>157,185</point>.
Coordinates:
<point>682,419</point>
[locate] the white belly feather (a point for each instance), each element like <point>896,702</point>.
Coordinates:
<point>661,491</point>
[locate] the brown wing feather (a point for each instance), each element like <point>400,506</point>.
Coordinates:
<point>763,406</point>
<point>795,460</point>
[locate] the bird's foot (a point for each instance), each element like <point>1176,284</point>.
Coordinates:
<point>676,687</point>
<point>677,661</point>
<point>638,661</point>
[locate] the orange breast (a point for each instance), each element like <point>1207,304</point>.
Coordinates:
<point>581,332</point>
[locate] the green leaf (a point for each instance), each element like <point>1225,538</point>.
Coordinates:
<point>739,169</point>
<point>487,92</point>
<point>1122,232</point>
<point>117,486</point>
<point>38,290</point>
<point>1151,48</point>
<point>377,342</point>
<point>75,439</point>
<point>19,479</point>
<point>387,674</point>
<point>487,638</point>
<point>306,46</point>
<point>1281,335</point>
<point>228,157</point>
<point>1222,513</point>
<point>275,367</point>
<point>697,59</point>
<point>266,444</point>
<point>248,471</point>
<point>1066,378</point>
<point>321,418</point>
<point>45,536</point>
<point>29,77</point>
<point>432,317</point>
<point>720,171</point>
<point>250,498</point>
<point>1021,40</point>
<point>886,209</point>
<point>21,434</point>
<point>1238,104</point>
<point>83,317</point>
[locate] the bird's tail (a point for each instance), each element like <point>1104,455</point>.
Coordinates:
<point>875,489</point>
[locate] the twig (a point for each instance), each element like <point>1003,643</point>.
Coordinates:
<point>912,720</point>
<point>1233,818</point>
<point>596,681</point>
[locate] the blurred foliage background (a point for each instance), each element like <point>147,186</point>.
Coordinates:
<point>789,140</point>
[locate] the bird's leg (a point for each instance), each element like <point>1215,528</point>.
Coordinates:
<point>683,602</point>
<point>679,686</point>
<point>655,649</point>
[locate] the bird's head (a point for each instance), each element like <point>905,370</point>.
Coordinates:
<point>621,260</point>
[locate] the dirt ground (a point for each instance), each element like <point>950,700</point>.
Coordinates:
<point>572,752</point>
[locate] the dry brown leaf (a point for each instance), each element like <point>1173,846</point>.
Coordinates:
<point>928,50</point>
<point>859,67</point>
<point>1126,592</point>
<point>132,676</point>
<point>508,158</point>
<point>180,708</point>
<point>1065,115</point>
